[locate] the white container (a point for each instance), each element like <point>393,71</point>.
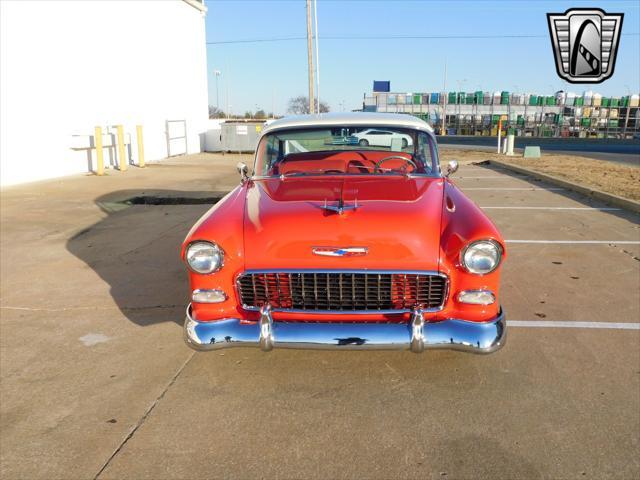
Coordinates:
<point>634,101</point>
<point>570,99</point>
<point>597,100</point>
<point>613,113</point>
<point>588,98</point>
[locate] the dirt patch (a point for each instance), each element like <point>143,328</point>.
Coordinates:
<point>610,177</point>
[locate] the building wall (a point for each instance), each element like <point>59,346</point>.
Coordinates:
<point>67,66</point>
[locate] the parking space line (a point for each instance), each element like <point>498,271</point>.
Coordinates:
<point>578,242</point>
<point>527,189</point>
<point>564,324</point>
<point>595,209</point>
<point>483,177</point>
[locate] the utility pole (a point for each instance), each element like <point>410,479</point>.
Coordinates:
<point>315,18</point>
<point>312,100</point>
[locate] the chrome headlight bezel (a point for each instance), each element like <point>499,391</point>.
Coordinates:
<point>469,249</point>
<point>200,245</point>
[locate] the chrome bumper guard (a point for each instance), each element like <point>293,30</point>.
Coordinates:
<point>417,335</point>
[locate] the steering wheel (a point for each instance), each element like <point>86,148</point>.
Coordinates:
<point>395,157</point>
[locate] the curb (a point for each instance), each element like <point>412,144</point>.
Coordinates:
<point>609,198</point>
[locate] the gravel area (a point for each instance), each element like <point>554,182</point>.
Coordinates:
<point>622,180</point>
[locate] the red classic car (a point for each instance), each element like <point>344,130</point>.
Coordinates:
<point>333,242</point>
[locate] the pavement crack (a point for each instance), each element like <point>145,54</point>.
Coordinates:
<point>144,417</point>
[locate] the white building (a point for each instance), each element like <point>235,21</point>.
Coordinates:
<point>69,66</point>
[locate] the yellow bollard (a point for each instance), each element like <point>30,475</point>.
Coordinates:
<point>121,155</point>
<point>99,153</point>
<point>140,146</point>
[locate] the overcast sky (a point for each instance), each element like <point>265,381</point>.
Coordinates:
<point>265,74</point>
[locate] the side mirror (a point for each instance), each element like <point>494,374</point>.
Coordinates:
<point>452,167</point>
<point>243,170</point>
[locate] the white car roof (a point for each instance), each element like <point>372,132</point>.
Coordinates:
<point>361,119</point>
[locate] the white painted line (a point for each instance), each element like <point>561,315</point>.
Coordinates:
<point>578,242</point>
<point>594,209</point>
<point>552,324</point>
<point>496,177</point>
<point>528,189</point>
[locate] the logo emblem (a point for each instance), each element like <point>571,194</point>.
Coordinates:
<point>340,252</point>
<point>585,43</point>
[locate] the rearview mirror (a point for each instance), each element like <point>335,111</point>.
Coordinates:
<point>452,167</point>
<point>243,170</point>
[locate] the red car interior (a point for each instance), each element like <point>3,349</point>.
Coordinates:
<point>340,162</point>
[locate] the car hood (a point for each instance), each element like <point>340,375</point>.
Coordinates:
<point>397,220</point>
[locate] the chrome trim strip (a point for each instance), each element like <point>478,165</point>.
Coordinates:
<point>417,335</point>
<point>340,251</point>
<point>445,296</point>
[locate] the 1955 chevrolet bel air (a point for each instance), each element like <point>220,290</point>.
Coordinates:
<point>347,235</point>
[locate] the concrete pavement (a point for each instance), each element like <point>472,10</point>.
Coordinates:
<point>96,381</point>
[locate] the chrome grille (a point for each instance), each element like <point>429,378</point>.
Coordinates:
<point>339,291</point>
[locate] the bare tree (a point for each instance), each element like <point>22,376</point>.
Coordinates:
<point>260,114</point>
<point>300,105</point>
<point>215,112</point>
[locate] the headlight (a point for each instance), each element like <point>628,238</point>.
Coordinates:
<point>481,257</point>
<point>204,257</point>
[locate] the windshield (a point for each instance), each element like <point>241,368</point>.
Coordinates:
<point>346,151</point>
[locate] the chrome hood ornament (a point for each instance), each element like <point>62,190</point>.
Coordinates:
<point>340,251</point>
<point>341,207</point>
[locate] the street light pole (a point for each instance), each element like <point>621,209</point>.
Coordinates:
<point>217,73</point>
<point>310,58</point>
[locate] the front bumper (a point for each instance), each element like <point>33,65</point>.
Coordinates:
<point>417,335</point>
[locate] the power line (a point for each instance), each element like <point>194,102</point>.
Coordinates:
<point>393,37</point>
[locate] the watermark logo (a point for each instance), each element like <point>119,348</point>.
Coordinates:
<point>585,43</point>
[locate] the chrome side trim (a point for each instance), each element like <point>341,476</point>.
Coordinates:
<point>417,335</point>
<point>249,308</point>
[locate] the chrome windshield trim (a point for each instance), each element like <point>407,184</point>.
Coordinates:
<point>445,296</point>
<point>324,175</point>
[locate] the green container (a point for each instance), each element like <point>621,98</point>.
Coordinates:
<point>495,119</point>
<point>452,98</point>
<point>540,100</point>
<point>470,98</point>
<point>533,100</point>
<point>520,120</point>
<point>614,102</point>
<point>605,102</point>
<point>417,99</point>
<point>579,101</point>
<point>551,101</point>
<point>613,123</point>
<point>504,98</point>
<point>585,122</point>
<point>624,102</point>
<point>478,97</point>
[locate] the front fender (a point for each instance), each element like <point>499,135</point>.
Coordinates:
<point>462,223</point>
<point>222,224</point>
